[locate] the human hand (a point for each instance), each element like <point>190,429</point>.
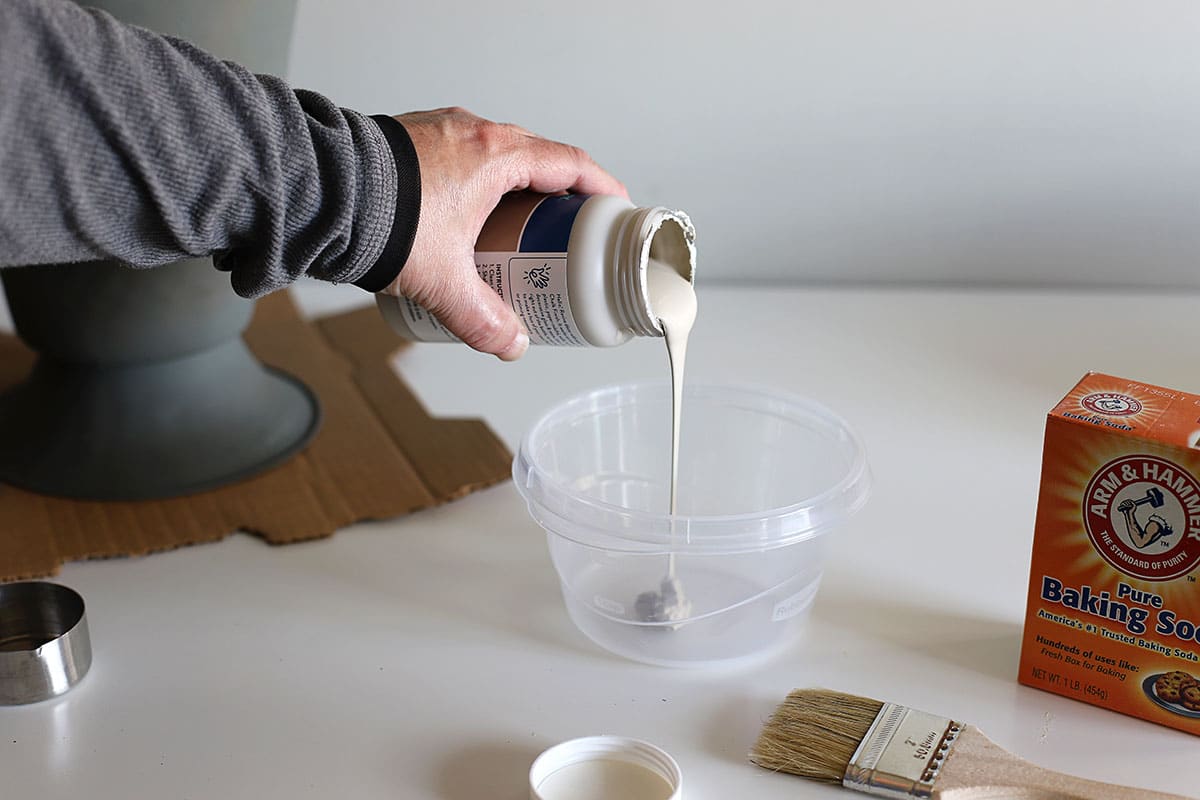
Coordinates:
<point>1126,506</point>
<point>467,164</point>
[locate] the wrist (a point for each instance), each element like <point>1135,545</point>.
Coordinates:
<point>396,250</point>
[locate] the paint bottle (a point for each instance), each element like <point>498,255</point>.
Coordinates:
<point>573,267</point>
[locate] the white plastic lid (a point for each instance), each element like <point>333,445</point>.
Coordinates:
<point>605,768</point>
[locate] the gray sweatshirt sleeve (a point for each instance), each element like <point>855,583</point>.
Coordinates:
<point>117,143</point>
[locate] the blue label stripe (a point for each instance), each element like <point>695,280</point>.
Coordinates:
<point>548,229</point>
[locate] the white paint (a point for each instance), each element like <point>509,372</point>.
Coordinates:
<point>604,779</point>
<point>674,303</point>
<point>673,300</point>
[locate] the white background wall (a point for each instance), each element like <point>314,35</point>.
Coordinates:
<point>1025,141</point>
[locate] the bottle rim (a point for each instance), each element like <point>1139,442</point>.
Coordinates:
<point>635,241</point>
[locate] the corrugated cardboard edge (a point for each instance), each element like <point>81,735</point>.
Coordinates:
<point>453,457</point>
<point>379,455</point>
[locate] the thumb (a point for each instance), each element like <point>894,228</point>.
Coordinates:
<point>477,315</point>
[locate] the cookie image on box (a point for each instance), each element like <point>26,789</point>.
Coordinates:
<point>1176,691</point>
<point>1190,697</point>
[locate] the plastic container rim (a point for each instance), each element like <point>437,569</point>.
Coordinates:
<point>750,529</point>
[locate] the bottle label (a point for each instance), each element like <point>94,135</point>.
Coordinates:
<point>522,255</point>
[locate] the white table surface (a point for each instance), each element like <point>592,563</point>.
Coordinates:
<point>430,657</point>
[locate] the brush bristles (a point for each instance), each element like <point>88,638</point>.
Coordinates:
<point>814,734</point>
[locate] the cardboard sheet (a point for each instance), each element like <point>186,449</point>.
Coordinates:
<point>378,455</point>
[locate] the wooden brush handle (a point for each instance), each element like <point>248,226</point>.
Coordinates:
<point>979,769</point>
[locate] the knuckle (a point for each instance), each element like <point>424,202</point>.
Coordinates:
<point>493,136</point>
<point>511,129</point>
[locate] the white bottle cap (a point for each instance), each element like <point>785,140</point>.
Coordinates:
<point>630,769</point>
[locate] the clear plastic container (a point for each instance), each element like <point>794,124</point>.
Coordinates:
<point>763,478</point>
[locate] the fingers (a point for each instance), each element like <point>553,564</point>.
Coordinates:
<point>551,166</point>
<point>475,313</point>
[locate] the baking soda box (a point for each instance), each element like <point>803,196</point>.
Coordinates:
<point>1113,616</point>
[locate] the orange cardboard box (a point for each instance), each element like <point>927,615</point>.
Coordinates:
<point>1113,615</point>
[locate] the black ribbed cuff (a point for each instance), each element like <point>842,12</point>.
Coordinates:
<point>408,208</point>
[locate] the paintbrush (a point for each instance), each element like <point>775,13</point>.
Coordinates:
<point>890,750</point>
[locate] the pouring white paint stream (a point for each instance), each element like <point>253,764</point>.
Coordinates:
<point>674,303</point>
<point>589,271</point>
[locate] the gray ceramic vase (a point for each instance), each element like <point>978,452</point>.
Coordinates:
<point>143,387</point>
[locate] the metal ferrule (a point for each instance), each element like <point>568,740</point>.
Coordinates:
<point>902,753</point>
